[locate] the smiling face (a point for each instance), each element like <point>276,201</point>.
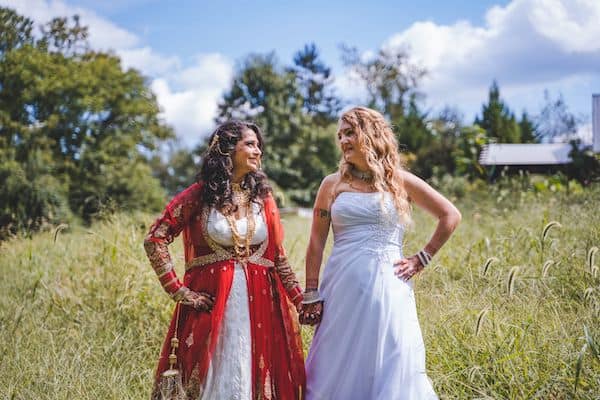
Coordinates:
<point>247,154</point>
<point>350,146</point>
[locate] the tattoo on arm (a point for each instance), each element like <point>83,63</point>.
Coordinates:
<point>322,213</point>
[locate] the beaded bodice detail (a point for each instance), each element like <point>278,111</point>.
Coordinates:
<point>368,222</point>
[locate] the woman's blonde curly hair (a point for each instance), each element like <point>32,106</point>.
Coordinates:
<point>376,137</point>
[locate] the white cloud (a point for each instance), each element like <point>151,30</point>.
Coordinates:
<point>527,45</point>
<point>187,95</point>
<point>574,25</point>
<point>147,60</point>
<point>347,87</point>
<point>104,34</point>
<point>211,71</point>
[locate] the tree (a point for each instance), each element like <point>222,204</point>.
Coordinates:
<point>178,169</point>
<point>314,81</point>
<point>392,81</point>
<point>468,148</point>
<point>586,164</point>
<point>437,155</point>
<point>262,91</point>
<point>390,78</point>
<point>79,112</point>
<point>15,32</point>
<point>271,96</point>
<point>555,120</point>
<point>497,120</point>
<point>528,129</point>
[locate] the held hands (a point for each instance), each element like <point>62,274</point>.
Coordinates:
<point>310,314</point>
<point>311,307</point>
<point>200,301</point>
<point>408,267</point>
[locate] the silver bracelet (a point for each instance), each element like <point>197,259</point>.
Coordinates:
<point>311,296</point>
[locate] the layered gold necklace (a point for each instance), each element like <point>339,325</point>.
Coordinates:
<point>241,245</point>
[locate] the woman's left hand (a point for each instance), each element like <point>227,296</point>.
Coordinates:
<point>408,267</point>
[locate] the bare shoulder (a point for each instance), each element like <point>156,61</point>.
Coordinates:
<point>412,182</point>
<point>330,180</point>
<point>325,194</point>
<point>426,197</point>
<point>328,184</point>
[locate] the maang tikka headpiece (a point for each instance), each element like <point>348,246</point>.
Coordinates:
<point>215,142</point>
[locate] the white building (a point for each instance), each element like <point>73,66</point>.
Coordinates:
<point>539,154</point>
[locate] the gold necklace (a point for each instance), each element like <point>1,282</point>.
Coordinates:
<point>239,196</point>
<point>241,246</point>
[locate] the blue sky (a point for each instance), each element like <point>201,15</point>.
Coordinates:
<point>190,27</point>
<point>189,49</point>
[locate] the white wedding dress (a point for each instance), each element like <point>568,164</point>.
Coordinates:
<point>368,345</point>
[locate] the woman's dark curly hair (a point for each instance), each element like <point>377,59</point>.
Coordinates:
<point>216,170</point>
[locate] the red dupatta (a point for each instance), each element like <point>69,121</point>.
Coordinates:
<point>277,355</point>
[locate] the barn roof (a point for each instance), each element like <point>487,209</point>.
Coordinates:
<point>525,154</point>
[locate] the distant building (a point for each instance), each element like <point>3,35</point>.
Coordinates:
<point>542,157</point>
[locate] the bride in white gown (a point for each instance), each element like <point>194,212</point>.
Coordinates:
<point>368,342</point>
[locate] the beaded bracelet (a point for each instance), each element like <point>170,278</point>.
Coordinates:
<point>424,257</point>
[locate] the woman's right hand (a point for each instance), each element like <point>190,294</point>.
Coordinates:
<point>200,301</point>
<point>310,314</point>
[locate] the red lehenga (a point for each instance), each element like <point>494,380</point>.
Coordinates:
<point>277,355</point>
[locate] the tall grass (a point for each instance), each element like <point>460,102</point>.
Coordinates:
<point>509,310</point>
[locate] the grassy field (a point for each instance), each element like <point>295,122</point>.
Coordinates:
<point>510,309</point>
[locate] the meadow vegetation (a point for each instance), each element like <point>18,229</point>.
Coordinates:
<point>509,310</point>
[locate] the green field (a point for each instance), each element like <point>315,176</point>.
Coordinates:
<point>509,310</point>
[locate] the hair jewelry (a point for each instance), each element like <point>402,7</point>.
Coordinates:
<point>215,142</point>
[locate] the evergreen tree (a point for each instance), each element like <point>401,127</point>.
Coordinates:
<point>315,82</point>
<point>497,120</point>
<point>528,129</point>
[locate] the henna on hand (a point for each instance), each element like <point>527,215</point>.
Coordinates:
<point>200,301</point>
<point>311,314</point>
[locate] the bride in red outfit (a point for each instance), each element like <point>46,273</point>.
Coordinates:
<point>236,321</point>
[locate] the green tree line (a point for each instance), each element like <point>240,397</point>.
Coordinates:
<point>80,135</point>
<point>74,126</point>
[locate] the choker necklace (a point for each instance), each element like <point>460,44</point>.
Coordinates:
<point>364,176</point>
<point>239,196</point>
